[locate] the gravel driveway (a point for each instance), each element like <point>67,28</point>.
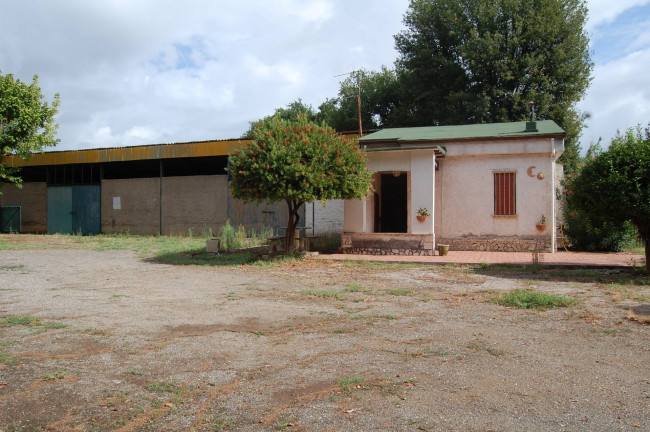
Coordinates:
<point>111,341</point>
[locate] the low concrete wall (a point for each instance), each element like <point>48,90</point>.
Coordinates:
<point>387,244</point>
<point>32,199</point>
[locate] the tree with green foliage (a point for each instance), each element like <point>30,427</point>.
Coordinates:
<point>587,233</point>
<point>293,111</point>
<point>380,93</point>
<point>298,162</point>
<point>478,61</point>
<point>26,122</point>
<point>615,186</point>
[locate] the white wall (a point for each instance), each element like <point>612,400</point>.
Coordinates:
<point>465,195</point>
<point>463,187</point>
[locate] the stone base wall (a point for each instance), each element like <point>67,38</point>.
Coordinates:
<point>387,244</point>
<point>499,244</point>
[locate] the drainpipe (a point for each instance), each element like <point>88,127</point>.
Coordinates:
<point>160,228</point>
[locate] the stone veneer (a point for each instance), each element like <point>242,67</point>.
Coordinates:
<point>422,244</point>
<point>499,244</point>
<point>387,244</point>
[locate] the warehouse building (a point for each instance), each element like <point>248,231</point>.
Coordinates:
<point>176,188</point>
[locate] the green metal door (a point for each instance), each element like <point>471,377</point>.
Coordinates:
<point>73,209</point>
<point>59,209</point>
<point>86,215</point>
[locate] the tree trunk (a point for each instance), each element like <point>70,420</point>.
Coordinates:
<point>646,242</point>
<point>292,223</point>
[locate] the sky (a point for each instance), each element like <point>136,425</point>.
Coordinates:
<point>149,72</point>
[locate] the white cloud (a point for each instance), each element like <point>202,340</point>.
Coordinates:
<point>619,97</point>
<point>140,132</point>
<point>606,11</point>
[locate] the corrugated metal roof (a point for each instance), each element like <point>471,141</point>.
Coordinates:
<point>121,154</point>
<point>464,132</point>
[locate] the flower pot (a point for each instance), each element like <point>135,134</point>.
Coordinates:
<point>421,218</point>
<point>541,227</point>
<point>443,249</point>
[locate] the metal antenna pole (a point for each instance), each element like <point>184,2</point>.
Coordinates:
<point>358,73</point>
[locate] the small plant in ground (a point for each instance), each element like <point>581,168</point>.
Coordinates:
<point>284,422</point>
<point>28,321</point>
<point>164,387</point>
<point>348,384</point>
<point>532,300</point>
<point>399,292</point>
<point>353,288</point>
<point>12,267</point>
<point>6,358</point>
<point>323,293</point>
<point>59,374</point>
<point>218,423</point>
<point>133,372</point>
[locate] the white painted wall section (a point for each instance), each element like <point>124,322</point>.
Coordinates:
<point>423,164</point>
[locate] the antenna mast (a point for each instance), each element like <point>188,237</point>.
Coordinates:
<point>358,75</point>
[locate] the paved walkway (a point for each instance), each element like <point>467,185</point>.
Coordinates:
<point>582,259</point>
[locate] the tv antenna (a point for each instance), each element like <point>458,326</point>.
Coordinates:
<point>358,75</point>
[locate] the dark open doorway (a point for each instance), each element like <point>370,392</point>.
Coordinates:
<point>393,203</point>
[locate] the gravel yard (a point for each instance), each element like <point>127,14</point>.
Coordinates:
<point>113,341</point>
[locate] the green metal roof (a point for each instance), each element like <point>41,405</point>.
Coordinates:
<point>464,132</point>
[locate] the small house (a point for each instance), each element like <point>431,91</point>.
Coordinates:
<point>482,187</point>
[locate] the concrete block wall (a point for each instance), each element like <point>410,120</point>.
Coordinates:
<point>139,202</point>
<point>328,217</point>
<point>199,203</point>
<point>33,201</point>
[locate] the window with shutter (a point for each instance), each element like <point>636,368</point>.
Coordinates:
<point>504,193</point>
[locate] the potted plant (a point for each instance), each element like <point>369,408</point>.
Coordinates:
<point>422,214</point>
<point>541,224</point>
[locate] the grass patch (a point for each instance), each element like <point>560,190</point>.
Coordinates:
<point>218,423</point>
<point>56,375</point>
<point>30,321</point>
<point>284,422</point>
<point>323,293</point>
<point>12,267</point>
<point>348,384</point>
<point>532,300</point>
<point>399,292</point>
<point>164,387</point>
<point>197,257</point>
<point>353,288</point>
<point>621,292</point>
<point>6,358</point>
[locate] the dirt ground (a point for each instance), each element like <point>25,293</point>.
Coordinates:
<point>116,342</point>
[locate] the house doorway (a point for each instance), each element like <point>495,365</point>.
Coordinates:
<point>393,203</point>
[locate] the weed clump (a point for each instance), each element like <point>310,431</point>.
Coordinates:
<point>532,300</point>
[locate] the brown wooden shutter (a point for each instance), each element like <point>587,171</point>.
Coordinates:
<point>504,193</point>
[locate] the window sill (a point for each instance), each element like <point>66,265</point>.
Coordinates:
<point>505,216</point>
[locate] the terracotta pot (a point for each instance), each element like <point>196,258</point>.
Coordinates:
<point>421,218</point>
<point>540,227</point>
